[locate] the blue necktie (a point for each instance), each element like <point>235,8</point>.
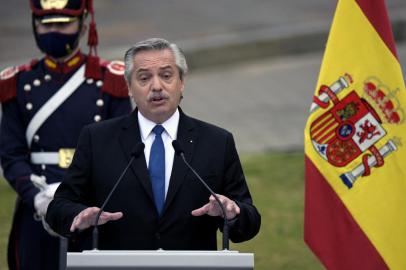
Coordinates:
<point>157,168</point>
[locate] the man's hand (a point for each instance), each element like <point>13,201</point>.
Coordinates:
<point>212,208</point>
<point>87,217</point>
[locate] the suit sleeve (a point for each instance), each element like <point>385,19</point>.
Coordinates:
<point>14,152</point>
<point>73,194</point>
<point>246,225</point>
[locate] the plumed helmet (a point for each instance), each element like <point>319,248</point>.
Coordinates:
<point>60,11</point>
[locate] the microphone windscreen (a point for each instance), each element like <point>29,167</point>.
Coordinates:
<point>178,148</point>
<point>137,150</point>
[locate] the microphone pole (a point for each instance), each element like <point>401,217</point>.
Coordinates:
<point>179,151</point>
<point>138,148</point>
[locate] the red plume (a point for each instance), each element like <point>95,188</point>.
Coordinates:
<point>93,68</point>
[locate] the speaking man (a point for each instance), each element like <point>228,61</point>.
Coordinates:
<point>159,202</point>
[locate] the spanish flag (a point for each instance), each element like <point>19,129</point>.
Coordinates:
<point>355,145</point>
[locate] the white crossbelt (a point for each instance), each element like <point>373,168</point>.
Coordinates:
<point>50,158</point>
<point>53,103</point>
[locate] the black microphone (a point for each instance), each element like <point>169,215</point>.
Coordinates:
<point>179,151</point>
<point>136,152</point>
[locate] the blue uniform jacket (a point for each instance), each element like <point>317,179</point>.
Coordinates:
<point>26,89</point>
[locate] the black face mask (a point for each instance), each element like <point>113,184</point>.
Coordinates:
<point>56,44</point>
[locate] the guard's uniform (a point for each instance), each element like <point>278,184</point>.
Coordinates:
<point>47,151</point>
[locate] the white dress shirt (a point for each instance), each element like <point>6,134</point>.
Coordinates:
<point>168,135</point>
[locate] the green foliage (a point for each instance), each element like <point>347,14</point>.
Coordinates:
<point>7,202</point>
<point>276,181</point>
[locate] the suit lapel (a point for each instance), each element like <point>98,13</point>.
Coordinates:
<point>187,137</point>
<point>129,136</point>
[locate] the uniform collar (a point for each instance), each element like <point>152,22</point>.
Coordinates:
<point>70,64</point>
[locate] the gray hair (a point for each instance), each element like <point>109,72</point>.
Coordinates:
<point>158,44</point>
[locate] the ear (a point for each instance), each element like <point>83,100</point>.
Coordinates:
<point>182,86</point>
<point>130,94</point>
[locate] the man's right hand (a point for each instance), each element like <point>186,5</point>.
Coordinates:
<point>86,218</point>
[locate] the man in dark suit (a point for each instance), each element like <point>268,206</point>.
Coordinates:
<point>159,203</point>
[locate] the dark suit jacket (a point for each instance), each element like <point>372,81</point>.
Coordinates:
<point>102,153</point>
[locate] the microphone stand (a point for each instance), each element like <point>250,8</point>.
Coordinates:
<point>95,234</point>
<point>180,152</point>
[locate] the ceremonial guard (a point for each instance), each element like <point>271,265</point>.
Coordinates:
<point>45,104</point>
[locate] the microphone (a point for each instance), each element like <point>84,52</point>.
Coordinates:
<point>179,151</point>
<point>136,152</point>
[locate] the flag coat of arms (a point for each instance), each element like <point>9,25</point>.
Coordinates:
<point>355,145</point>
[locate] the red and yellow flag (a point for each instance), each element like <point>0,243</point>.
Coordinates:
<point>355,145</point>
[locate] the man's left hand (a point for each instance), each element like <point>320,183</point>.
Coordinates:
<point>212,208</point>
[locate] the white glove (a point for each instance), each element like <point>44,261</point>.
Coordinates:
<point>39,181</point>
<point>51,188</point>
<point>45,196</point>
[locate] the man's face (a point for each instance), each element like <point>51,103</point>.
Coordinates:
<point>156,86</point>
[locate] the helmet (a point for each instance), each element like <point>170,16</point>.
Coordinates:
<point>59,11</point>
<point>63,11</point>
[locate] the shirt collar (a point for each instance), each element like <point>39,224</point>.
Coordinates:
<point>170,125</point>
